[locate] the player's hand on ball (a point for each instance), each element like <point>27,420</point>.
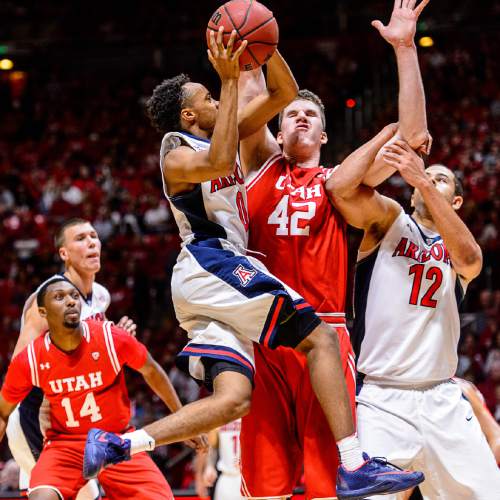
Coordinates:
<point>128,325</point>
<point>403,23</point>
<point>401,156</point>
<point>225,60</point>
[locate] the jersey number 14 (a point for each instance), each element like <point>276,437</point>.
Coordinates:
<point>88,409</point>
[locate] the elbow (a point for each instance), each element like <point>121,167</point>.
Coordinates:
<point>284,96</point>
<point>471,262</point>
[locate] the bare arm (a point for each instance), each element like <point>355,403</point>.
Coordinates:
<point>400,33</point>
<point>158,381</point>
<point>258,104</point>
<point>33,325</point>
<point>465,253</point>
<point>184,167</point>
<point>6,409</point>
<point>361,206</point>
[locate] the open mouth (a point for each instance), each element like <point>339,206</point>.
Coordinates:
<point>302,126</point>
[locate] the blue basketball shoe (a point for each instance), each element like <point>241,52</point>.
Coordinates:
<point>375,477</point>
<point>102,449</point>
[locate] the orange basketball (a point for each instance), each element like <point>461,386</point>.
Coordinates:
<point>253,22</point>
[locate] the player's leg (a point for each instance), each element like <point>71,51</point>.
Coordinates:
<point>44,494</point>
<point>460,462</point>
<point>138,479</point>
<point>58,471</point>
<point>229,401</point>
<point>271,460</point>
<point>320,451</point>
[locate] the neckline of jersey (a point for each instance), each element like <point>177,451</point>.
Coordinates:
<point>431,239</point>
<point>87,299</point>
<point>202,139</point>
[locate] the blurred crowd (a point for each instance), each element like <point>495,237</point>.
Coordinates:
<point>82,146</point>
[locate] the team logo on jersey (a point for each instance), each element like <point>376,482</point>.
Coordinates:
<point>44,366</point>
<point>244,275</point>
<point>96,355</point>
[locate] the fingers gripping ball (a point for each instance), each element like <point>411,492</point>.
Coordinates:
<point>253,22</point>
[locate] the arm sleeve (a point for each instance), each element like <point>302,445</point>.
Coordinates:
<point>130,351</point>
<point>17,383</point>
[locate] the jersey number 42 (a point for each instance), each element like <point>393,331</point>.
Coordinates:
<point>292,225</point>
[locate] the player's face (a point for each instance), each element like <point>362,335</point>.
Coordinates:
<point>444,180</point>
<point>62,305</point>
<point>301,127</point>
<point>200,107</point>
<point>82,248</point>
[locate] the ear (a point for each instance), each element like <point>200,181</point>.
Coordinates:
<point>63,253</point>
<point>42,311</point>
<point>324,138</point>
<point>457,202</point>
<point>279,138</point>
<point>188,115</point>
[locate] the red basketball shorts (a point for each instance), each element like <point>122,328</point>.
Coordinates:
<point>60,469</point>
<point>286,430</point>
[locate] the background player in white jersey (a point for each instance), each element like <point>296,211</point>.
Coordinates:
<point>225,299</point>
<point>79,248</point>
<point>411,275</point>
<point>220,467</point>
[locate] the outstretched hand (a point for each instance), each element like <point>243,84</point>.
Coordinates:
<point>128,325</point>
<point>403,23</point>
<point>224,60</point>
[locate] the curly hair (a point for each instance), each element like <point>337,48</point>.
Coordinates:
<point>307,95</point>
<point>164,106</point>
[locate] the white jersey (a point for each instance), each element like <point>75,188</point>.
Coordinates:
<point>213,209</point>
<point>407,293</point>
<point>93,306</point>
<point>229,448</point>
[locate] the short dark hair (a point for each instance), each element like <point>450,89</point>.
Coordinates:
<point>459,188</point>
<point>307,95</point>
<point>164,106</point>
<point>59,237</point>
<point>40,296</point>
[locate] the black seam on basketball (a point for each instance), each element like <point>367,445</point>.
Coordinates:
<point>234,25</point>
<point>258,27</point>
<point>254,58</point>
<point>217,30</point>
<point>245,19</point>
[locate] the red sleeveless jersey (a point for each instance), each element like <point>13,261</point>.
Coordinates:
<point>302,236</point>
<point>85,388</point>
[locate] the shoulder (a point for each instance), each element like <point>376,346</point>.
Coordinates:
<point>269,165</point>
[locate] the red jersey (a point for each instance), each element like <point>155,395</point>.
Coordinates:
<point>301,234</point>
<point>85,388</point>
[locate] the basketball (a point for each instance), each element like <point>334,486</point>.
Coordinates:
<point>253,22</point>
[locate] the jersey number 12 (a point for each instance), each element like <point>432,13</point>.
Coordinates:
<point>433,274</point>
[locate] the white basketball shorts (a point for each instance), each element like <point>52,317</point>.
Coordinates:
<point>433,430</point>
<point>226,301</point>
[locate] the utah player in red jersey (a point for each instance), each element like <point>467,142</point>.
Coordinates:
<point>303,241</point>
<point>78,365</point>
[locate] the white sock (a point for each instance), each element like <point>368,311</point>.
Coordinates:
<point>351,455</point>
<point>140,440</point>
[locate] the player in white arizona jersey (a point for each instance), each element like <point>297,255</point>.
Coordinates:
<point>79,248</point>
<point>411,275</point>
<point>225,299</point>
<point>220,467</point>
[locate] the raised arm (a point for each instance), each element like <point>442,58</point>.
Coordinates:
<point>184,167</point>
<point>400,33</point>
<point>465,253</point>
<point>258,104</point>
<point>361,206</point>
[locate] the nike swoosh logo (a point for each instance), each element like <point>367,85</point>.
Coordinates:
<point>468,419</point>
